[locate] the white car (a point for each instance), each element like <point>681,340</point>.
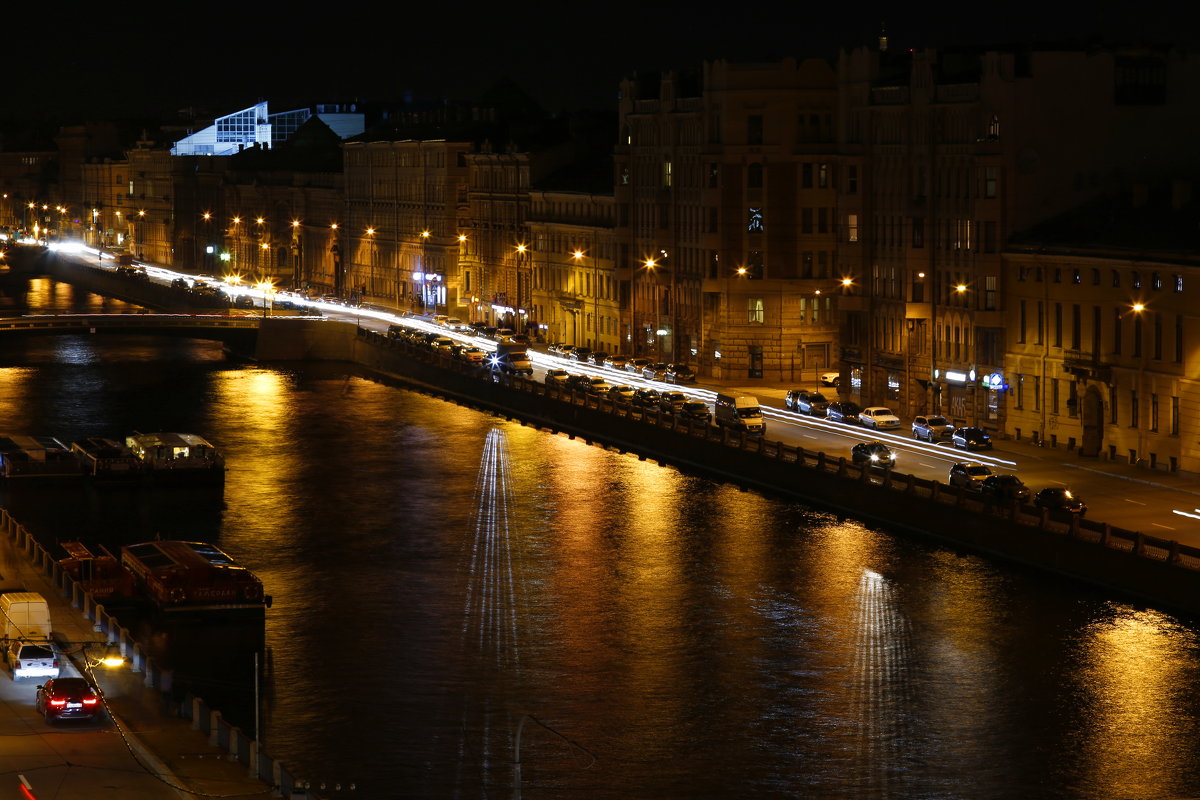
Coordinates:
<point>830,378</point>
<point>879,418</point>
<point>32,660</point>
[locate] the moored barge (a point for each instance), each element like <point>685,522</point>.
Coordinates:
<point>23,456</point>
<point>177,576</point>
<point>106,461</point>
<point>177,457</point>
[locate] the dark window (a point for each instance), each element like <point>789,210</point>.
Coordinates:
<point>1058,324</point>
<point>754,129</point>
<point>1076,277</point>
<point>852,180</point>
<point>1136,280</point>
<point>1116,279</point>
<point>754,176</point>
<point>806,176</point>
<point>918,234</point>
<point>1076,327</point>
<point>1095,277</point>
<point>1155,281</point>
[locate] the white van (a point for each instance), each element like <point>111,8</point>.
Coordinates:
<point>740,411</point>
<point>24,615</point>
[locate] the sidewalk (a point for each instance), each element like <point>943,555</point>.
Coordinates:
<point>139,754</point>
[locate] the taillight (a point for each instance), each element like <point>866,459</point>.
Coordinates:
<point>89,701</point>
<point>54,701</point>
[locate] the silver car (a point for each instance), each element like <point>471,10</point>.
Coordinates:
<point>931,428</point>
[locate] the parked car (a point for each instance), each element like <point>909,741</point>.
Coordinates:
<point>616,362</point>
<point>621,393</point>
<point>969,474</point>
<point>655,371</point>
<point>931,428</point>
<point>843,411</point>
<point>556,349</point>
<point>877,454</point>
<point>519,338</point>
<point>636,365</point>
<point>879,418</point>
<point>680,374</point>
<point>597,357</point>
<point>647,398</point>
<point>671,402</point>
<point>695,411</point>
<point>30,660</point>
<point>579,354</point>
<point>1006,488</point>
<point>812,403</point>
<point>595,386</point>
<point>557,377</point>
<point>971,439</point>
<point>473,355</point>
<point>830,378</point>
<point>503,334</point>
<point>67,698</point>
<point>1060,501</point>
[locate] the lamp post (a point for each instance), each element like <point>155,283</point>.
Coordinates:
<point>425,234</point>
<point>648,264</point>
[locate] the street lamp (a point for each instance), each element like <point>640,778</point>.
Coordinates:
<point>648,264</point>
<point>265,287</point>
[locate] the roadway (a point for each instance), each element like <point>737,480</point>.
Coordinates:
<point>1154,502</point>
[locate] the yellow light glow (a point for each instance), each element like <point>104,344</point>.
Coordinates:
<point>113,661</point>
<point>260,220</point>
<point>462,237</point>
<point>370,231</point>
<point>237,220</point>
<point>960,288</point>
<point>207,216</point>
<point>848,281</point>
<point>295,223</point>
<point>578,254</point>
<point>425,234</point>
<point>651,263</point>
<point>333,225</point>
<point>264,286</point>
<point>1139,307</point>
<point>265,246</point>
<point>141,213</point>
<point>742,270</point>
<point>520,248</point>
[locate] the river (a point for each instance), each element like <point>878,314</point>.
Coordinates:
<point>465,607</point>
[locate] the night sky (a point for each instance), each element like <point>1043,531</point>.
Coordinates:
<point>131,59</point>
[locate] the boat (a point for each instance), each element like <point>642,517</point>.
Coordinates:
<point>177,457</point>
<point>104,460</point>
<point>178,576</point>
<point>101,575</point>
<point>23,456</point>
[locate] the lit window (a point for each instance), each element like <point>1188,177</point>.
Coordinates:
<point>755,311</point>
<point>852,227</point>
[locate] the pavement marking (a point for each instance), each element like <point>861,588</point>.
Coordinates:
<point>809,436</point>
<point>1157,525</point>
<point>1138,502</point>
<point>923,464</point>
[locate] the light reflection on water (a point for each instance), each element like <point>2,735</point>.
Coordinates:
<point>441,574</point>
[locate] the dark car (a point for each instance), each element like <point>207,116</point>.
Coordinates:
<point>180,283</point>
<point>803,401</point>
<point>876,454</point>
<point>655,371</point>
<point>579,354</point>
<point>672,402</point>
<point>695,411</point>
<point>680,373</point>
<point>648,398</point>
<point>67,698</point>
<point>843,411</point>
<point>598,358</point>
<point>1005,487</point>
<point>557,377</point>
<point>1061,501</point>
<point>971,439</point>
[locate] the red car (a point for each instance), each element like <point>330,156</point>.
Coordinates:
<point>67,698</point>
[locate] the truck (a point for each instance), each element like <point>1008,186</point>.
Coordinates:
<point>513,358</point>
<point>740,411</point>
<point>25,615</point>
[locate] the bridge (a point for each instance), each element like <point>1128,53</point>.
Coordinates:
<point>271,338</point>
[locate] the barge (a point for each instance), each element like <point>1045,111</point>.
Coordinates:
<point>177,576</point>
<point>105,461</point>
<point>23,456</point>
<point>101,575</point>
<point>177,457</point>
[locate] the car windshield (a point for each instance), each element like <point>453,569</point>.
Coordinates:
<point>978,470</point>
<point>749,413</point>
<point>935,420</point>
<point>35,651</point>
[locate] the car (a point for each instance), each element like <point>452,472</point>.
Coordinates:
<point>812,403</point>
<point>504,334</point>
<point>680,373</point>
<point>695,411</point>
<point>519,338</point>
<point>32,660</point>
<point>616,362</point>
<point>931,428</point>
<point>473,355</point>
<point>843,411</point>
<point>636,365</point>
<point>180,283</point>
<point>453,323</point>
<point>577,383</point>
<point>875,454</point>
<point>597,357</point>
<point>1006,488</point>
<point>971,439</point>
<point>879,418</point>
<point>671,402</point>
<point>968,474</point>
<point>596,386</point>
<point>441,343</point>
<point>831,378</point>
<point>621,394</point>
<point>1060,501</point>
<point>579,354</point>
<point>439,319</point>
<point>789,399</point>
<point>646,397</point>
<point>67,698</point>
<point>557,377</point>
<point>654,371</point>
